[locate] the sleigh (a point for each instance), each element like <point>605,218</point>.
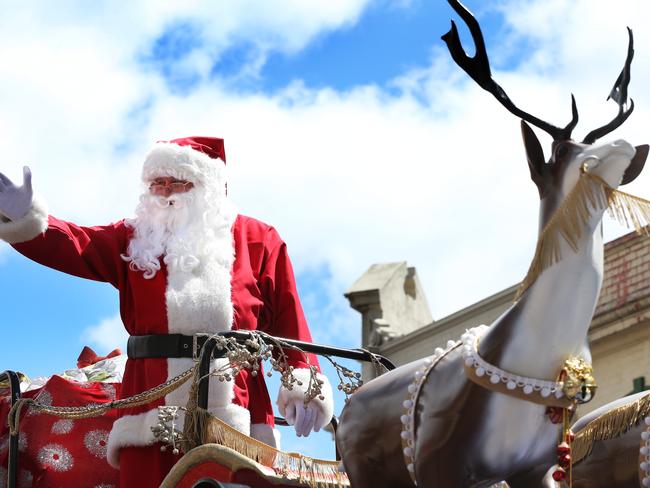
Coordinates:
<point>222,457</point>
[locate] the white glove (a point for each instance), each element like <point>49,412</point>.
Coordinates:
<point>304,418</point>
<point>15,201</point>
<point>316,414</point>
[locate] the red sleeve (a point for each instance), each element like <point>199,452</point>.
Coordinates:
<point>87,252</point>
<point>278,285</point>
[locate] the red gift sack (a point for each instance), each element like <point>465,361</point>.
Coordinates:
<point>56,452</point>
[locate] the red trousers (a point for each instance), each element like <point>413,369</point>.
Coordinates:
<point>145,467</point>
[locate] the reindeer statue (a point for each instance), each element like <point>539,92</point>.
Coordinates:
<point>485,408</point>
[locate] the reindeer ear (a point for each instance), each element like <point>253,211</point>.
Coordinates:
<point>534,153</point>
<point>636,165</point>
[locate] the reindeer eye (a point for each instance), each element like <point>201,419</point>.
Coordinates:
<point>561,151</point>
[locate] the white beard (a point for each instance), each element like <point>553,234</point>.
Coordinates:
<point>186,229</point>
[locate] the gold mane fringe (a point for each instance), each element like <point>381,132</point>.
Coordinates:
<point>609,426</point>
<point>591,193</point>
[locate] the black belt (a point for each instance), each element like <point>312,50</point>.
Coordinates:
<point>165,346</point>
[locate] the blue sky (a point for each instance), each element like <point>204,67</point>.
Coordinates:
<point>347,126</point>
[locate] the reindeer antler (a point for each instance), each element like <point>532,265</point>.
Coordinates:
<point>619,95</point>
<point>478,68</point>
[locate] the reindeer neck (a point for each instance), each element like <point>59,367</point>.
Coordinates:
<point>551,319</point>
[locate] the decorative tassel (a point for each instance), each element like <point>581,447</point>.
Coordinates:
<point>591,193</point>
<point>564,458</point>
<point>195,429</point>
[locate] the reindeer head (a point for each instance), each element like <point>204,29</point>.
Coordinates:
<point>616,163</point>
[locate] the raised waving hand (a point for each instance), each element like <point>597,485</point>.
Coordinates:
<point>15,201</point>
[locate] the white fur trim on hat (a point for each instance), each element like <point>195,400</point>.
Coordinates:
<point>326,406</point>
<point>184,163</point>
<point>25,228</point>
<point>266,434</point>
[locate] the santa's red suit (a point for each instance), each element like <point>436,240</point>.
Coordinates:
<point>247,284</point>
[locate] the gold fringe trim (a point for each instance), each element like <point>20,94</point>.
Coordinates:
<point>629,210</point>
<point>315,473</point>
<point>609,426</point>
<point>591,193</point>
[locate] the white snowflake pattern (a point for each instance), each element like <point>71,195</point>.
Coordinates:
<point>63,426</point>
<point>22,442</point>
<point>96,441</point>
<point>25,479</point>
<point>109,389</point>
<point>56,457</point>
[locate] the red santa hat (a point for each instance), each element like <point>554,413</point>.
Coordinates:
<point>201,160</point>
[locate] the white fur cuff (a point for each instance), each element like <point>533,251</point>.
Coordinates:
<point>135,430</point>
<point>27,227</point>
<point>131,430</point>
<point>266,434</point>
<point>234,415</point>
<point>326,406</point>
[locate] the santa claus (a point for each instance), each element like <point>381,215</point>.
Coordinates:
<point>186,264</point>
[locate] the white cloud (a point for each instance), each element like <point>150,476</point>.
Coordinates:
<point>349,178</point>
<point>105,336</point>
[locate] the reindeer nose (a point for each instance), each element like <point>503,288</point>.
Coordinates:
<point>626,146</point>
<point>619,147</point>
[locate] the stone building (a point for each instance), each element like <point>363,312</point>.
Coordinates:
<point>397,323</point>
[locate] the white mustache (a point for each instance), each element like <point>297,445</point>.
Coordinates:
<point>176,200</point>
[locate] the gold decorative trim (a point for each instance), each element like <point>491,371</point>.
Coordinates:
<point>315,473</point>
<point>609,425</point>
<point>234,461</point>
